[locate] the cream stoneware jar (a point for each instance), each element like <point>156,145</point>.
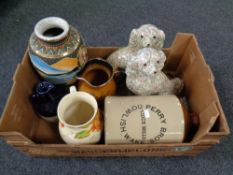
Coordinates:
<point>145,119</point>
<point>79,118</point>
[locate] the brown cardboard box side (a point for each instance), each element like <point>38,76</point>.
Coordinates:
<point>21,127</point>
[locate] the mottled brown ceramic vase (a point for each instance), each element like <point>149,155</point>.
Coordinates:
<point>97,78</point>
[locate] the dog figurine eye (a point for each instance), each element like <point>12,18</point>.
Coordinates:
<point>158,62</point>
<point>142,36</point>
<point>154,37</point>
<point>145,64</point>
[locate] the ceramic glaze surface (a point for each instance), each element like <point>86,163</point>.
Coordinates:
<point>83,125</point>
<point>147,35</point>
<point>83,135</point>
<point>145,76</point>
<point>45,99</point>
<point>144,119</point>
<point>56,49</point>
<point>97,78</point>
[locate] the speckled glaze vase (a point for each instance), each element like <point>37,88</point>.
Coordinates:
<point>56,50</point>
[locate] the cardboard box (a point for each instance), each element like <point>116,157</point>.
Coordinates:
<point>23,129</point>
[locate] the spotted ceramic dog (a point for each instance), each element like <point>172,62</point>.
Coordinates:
<point>147,35</point>
<point>145,76</point>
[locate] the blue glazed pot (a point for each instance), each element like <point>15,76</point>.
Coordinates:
<point>45,99</point>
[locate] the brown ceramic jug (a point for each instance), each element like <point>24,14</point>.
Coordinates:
<point>97,78</point>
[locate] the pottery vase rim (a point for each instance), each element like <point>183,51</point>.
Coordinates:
<point>48,23</point>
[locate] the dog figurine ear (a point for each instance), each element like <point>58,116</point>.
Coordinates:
<point>161,39</point>
<point>133,38</point>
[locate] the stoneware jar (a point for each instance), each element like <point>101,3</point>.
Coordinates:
<point>56,50</point>
<point>145,119</point>
<point>79,118</point>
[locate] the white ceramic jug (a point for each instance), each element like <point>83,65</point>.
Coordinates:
<point>79,118</point>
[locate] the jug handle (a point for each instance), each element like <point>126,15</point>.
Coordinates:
<point>83,79</point>
<point>117,75</point>
<point>117,72</point>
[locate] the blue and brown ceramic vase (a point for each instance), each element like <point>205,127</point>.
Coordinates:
<point>56,50</point>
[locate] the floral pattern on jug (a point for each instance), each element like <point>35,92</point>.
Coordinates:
<point>80,121</point>
<point>95,127</point>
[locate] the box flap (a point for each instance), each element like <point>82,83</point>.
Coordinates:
<point>207,120</point>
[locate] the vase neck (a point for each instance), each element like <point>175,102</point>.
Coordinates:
<point>52,30</point>
<point>55,43</point>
